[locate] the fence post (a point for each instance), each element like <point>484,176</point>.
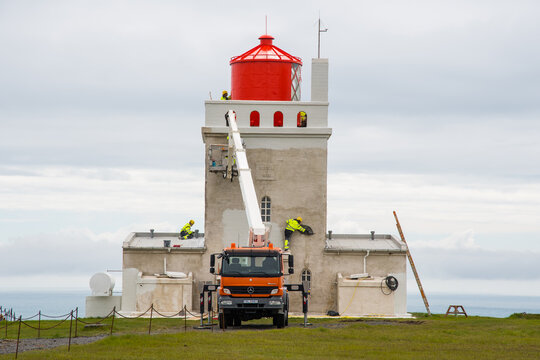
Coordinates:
<point>5,318</point>
<point>76,319</point>
<point>185,318</point>
<point>151,313</point>
<point>113,315</point>
<point>39,325</point>
<point>18,337</point>
<point>70,328</point>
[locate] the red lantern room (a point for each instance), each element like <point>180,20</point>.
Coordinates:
<point>266,73</point>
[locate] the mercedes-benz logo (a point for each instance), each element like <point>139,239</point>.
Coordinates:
<point>250,290</point>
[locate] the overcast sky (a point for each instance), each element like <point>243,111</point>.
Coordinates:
<point>434,107</point>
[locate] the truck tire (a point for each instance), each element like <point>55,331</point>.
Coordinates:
<point>221,320</point>
<point>279,320</point>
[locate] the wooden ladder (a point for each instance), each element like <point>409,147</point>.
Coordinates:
<point>412,266</point>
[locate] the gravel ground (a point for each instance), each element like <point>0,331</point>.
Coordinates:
<point>8,346</point>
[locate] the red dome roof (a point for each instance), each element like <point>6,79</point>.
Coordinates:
<point>265,51</point>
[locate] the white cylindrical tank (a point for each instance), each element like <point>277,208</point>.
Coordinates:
<point>102,284</point>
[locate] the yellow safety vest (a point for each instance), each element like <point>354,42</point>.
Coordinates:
<point>187,228</point>
<point>293,225</point>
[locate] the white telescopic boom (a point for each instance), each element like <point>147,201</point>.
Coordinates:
<point>249,196</point>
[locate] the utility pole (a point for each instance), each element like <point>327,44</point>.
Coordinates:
<point>412,266</point>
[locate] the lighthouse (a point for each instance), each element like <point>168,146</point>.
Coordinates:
<point>286,142</point>
<point>286,145</point>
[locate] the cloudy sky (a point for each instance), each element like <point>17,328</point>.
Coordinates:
<point>434,107</point>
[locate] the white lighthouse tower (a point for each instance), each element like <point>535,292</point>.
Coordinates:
<point>286,141</point>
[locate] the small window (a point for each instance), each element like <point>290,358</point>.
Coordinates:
<point>306,278</point>
<point>254,118</point>
<point>278,119</point>
<point>301,119</point>
<point>265,209</point>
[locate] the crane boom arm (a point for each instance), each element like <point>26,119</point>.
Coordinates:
<point>247,188</point>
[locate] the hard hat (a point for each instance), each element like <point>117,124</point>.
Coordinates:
<point>223,92</point>
<point>191,222</point>
<point>299,219</point>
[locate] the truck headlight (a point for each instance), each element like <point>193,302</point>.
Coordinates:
<point>226,302</point>
<point>274,302</point>
<point>226,291</point>
<point>274,291</point>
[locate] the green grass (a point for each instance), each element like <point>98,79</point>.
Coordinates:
<point>437,337</point>
<point>121,326</point>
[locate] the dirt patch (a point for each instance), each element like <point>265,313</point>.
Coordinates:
<point>8,346</point>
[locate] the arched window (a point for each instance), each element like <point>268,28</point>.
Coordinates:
<point>306,278</point>
<point>278,119</point>
<point>301,119</point>
<point>265,209</point>
<point>254,118</point>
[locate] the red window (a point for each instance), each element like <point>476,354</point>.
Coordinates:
<point>254,118</point>
<point>278,119</point>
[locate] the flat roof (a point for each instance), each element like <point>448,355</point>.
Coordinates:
<point>363,242</point>
<point>146,240</point>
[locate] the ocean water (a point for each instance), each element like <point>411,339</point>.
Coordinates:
<point>28,303</point>
<point>480,305</point>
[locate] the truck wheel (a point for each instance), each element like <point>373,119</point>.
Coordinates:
<point>280,321</point>
<point>221,320</point>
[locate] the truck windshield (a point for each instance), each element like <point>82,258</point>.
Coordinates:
<point>251,266</point>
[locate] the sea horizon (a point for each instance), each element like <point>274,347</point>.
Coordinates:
<point>28,302</point>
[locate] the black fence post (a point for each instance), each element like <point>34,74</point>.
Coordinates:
<point>185,318</point>
<point>18,337</point>
<point>113,315</point>
<point>76,319</point>
<point>151,314</point>
<point>39,325</point>
<point>70,328</point>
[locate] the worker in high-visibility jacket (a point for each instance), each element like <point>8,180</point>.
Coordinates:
<point>292,226</point>
<point>186,232</point>
<point>225,95</point>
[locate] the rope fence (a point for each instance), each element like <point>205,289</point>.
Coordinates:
<point>8,318</point>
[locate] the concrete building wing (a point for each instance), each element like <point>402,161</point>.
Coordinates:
<point>363,242</point>
<point>147,240</point>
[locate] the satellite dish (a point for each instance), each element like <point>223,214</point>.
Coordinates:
<point>102,284</point>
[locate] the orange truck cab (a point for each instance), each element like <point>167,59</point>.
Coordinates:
<point>252,285</point>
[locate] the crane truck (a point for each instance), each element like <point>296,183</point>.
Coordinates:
<point>251,278</point>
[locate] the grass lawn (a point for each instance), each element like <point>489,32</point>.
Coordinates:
<point>437,337</point>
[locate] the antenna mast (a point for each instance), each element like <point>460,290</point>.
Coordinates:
<point>319,37</point>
